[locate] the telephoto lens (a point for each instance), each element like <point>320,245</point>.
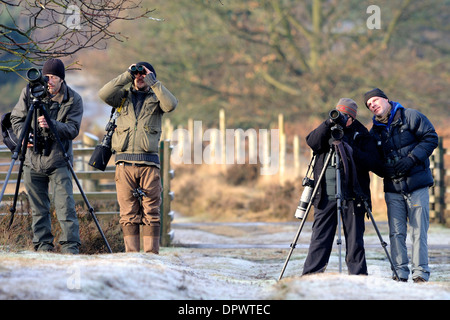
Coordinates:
<point>305,198</point>
<point>338,118</point>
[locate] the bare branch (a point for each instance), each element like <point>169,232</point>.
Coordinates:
<point>60,28</point>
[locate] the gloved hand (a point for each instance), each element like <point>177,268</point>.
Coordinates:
<point>389,172</point>
<point>151,79</point>
<point>404,165</point>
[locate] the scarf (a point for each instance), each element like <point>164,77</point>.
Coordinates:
<point>395,106</point>
<point>384,118</point>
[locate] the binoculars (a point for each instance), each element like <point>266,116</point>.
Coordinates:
<point>137,69</point>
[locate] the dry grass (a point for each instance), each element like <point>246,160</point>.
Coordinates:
<point>20,236</point>
<point>240,193</point>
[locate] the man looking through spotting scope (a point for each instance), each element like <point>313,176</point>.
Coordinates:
<point>135,142</point>
<point>357,158</point>
<point>46,163</point>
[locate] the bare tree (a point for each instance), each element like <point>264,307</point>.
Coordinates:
<point>296,36</point>
<point>34,31</point>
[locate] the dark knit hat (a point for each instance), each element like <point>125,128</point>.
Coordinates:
<point>347,106</point>
<point>54,67</point>
<point>374,93</point>
<point>147,65</point>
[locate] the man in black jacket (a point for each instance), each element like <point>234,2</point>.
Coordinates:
<point>406,140</point>
<point>355,185</point>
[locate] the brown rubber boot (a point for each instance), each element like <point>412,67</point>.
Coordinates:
<point>131,238</point>
<point>151,238</point>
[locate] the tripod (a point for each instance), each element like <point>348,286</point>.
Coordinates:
<point>36,106</point>
<point>335,153</point>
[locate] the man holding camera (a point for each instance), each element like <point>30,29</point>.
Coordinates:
<point>46,163</point>
<point>406,140</point>
<point>135,141</point>
<point>355,139</point>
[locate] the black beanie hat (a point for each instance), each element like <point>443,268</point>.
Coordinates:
<point>54,67</point>
<point>147,65</point>
<point>374,93</point>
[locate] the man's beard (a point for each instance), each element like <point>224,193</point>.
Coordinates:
<point>141,86</point>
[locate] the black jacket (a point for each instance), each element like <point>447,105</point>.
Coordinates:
<point>364,155</point>
<point>408,132</point>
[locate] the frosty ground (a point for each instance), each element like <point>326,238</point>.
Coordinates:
<point>211,261</point>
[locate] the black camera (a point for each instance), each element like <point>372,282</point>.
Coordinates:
<point>340,121</point>
<point>389,168</point>
<point>139,193</point>
<point>38,83</point>
<point>102,152</point>
<point>42,144</point>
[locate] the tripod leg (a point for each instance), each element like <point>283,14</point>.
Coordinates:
<point>294,243</point>
<point>91,210</point>
<point>339,206</point>
<point>69,165</point>
<point>316,187</point>
<point>339,240</point>
<point>383,244</point>
<point>8,175</point>
<point>16,194</point>
<point>22,144</point>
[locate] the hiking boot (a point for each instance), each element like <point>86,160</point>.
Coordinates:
<point>151,238</point>
<point>131,238</point>
<point>70,249</point>
<point>419,280</point>
<point>399,279</point>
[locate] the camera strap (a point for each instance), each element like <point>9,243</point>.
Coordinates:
<point>119,109</point>
<point>115,113</point>
<point>311,164</point>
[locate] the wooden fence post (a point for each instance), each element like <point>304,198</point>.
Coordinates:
<point>89,141</point>
<point>167,195</point>
<point>282,144</point>
<point>296,147</point>
<point>437,192</point>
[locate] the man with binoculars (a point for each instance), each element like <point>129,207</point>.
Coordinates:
<point>135,141</point>
<point>341,127</point>
<point>46,163</point>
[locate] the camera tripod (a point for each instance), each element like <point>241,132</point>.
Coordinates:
<point>335,153</point>
<point>36,106</point>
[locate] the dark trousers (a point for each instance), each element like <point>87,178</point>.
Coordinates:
<point>37,186</point>
<point>323,232</point>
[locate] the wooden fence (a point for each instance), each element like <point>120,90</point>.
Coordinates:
<point>439,201</point>
<point>292,163</point>
<point>98,186</point>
